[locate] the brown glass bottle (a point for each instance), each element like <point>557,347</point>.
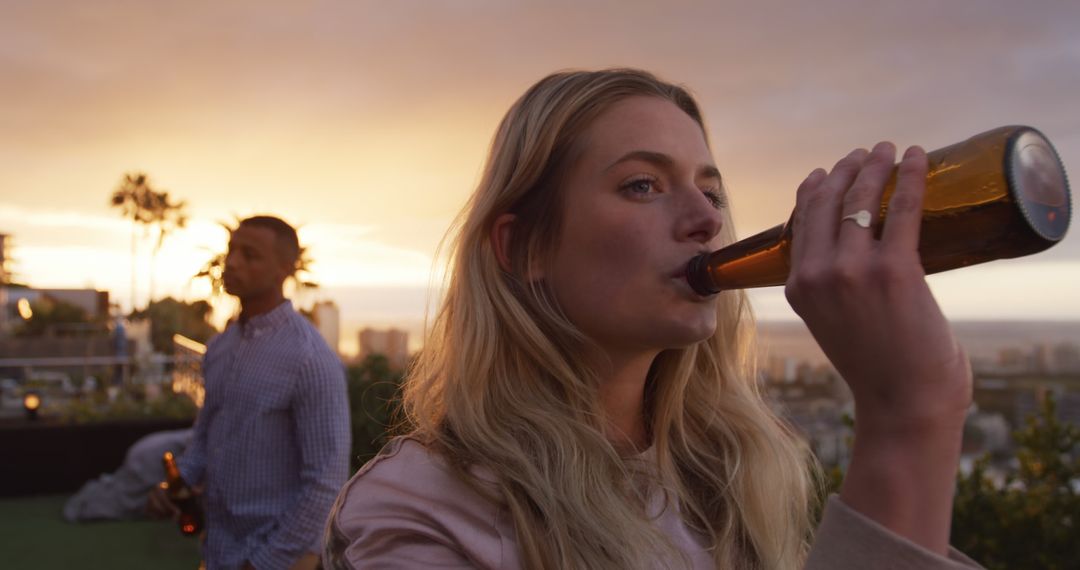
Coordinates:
<point>999,194</point>
<point>191,515</point>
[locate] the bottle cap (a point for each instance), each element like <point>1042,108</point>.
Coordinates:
<point>1038,183</point>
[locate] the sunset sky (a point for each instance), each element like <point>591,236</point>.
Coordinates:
<point>366,123</point>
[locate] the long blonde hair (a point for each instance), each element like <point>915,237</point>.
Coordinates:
<point>501,383</point>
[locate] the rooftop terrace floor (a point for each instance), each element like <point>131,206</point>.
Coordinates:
<point>34,535</point>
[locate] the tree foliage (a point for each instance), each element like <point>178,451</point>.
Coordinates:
<point>128,406</point>
<point>169,316</point>
<point>145,206</point>
<point>374,402</point>
<point>1031,519</point>
<point>56,317</point>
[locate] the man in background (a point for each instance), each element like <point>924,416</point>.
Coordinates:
<point>271,443</point>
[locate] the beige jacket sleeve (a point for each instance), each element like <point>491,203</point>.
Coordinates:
<point>405,509</point>
<point>847,539</point>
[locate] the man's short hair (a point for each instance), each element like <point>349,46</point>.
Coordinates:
<point>288,245</point>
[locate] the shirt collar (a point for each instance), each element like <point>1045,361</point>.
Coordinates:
<point>270,320</point>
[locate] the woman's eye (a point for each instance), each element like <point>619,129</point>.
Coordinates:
<point>640,186</point>
<point>716,198</point>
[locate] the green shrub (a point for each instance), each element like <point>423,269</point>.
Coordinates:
<point>128,407</point>
<point>374,402</point>
<point>1031,521</point>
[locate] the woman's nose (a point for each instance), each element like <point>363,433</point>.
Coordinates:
<point>699,219</point>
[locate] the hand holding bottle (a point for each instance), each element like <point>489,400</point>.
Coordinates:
<point>158,504</point>
<point>867,304</point>
<point>174,498</point>
<point>997,195</point>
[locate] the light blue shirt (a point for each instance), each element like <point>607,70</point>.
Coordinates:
<point>271,442</point>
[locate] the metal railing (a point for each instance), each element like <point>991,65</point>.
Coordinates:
<point>187,376</point>
<point>181,371</point>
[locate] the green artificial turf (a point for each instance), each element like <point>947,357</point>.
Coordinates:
<point>35,536</point>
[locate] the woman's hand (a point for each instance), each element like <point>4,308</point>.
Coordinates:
<point>867,304</point>
<point>866,300</point>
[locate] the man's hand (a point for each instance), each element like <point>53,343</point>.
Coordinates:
<point>159,505</point>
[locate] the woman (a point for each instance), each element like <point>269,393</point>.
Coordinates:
<point>577,405</point>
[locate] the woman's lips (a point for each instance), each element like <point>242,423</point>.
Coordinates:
<point>681,270</point>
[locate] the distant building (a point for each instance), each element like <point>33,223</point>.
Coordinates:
<point>1017,396</point>
<point>1068,408</point>
<point>1039,360</point>
<point>327,319</point>
<point>139,336</point>
<point>1013,359</point>
<point>95,303</point>
<point>1065,358</point>
<point>392,343</point>
<point>5,259</point>
<point>782,369</point>
<point>8,312</point>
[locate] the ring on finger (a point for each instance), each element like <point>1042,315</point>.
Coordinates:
<point>861,218</point>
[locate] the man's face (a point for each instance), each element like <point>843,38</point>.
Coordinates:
<point>253,265</point>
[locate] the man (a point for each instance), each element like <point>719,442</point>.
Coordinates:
<point>271,443</point>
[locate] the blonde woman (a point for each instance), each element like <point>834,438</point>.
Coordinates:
<point>577,405</point>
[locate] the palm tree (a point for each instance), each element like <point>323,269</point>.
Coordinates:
<point>138,200</point>
<point>129,196</point>
<point>168,216</point>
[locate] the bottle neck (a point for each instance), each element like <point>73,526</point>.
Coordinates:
<point>761,260</point>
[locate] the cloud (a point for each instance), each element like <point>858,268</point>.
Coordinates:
<point>15,216</point>
<point>370,120</point>
<point>352,255</point>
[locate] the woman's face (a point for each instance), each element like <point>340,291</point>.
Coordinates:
<point>641,201</point>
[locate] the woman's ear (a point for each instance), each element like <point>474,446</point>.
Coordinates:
<point>501,234</point>
<point>500,239</point>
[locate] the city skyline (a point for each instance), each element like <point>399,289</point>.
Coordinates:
<point>367,124</point>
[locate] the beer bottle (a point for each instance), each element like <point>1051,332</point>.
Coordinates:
<point>1000,194</point>
<point>191,515</point>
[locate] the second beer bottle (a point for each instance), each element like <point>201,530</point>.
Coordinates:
<point>191,515</point>
<point>999,194</point>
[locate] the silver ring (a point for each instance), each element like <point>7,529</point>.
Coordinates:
<point>862,218</point>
